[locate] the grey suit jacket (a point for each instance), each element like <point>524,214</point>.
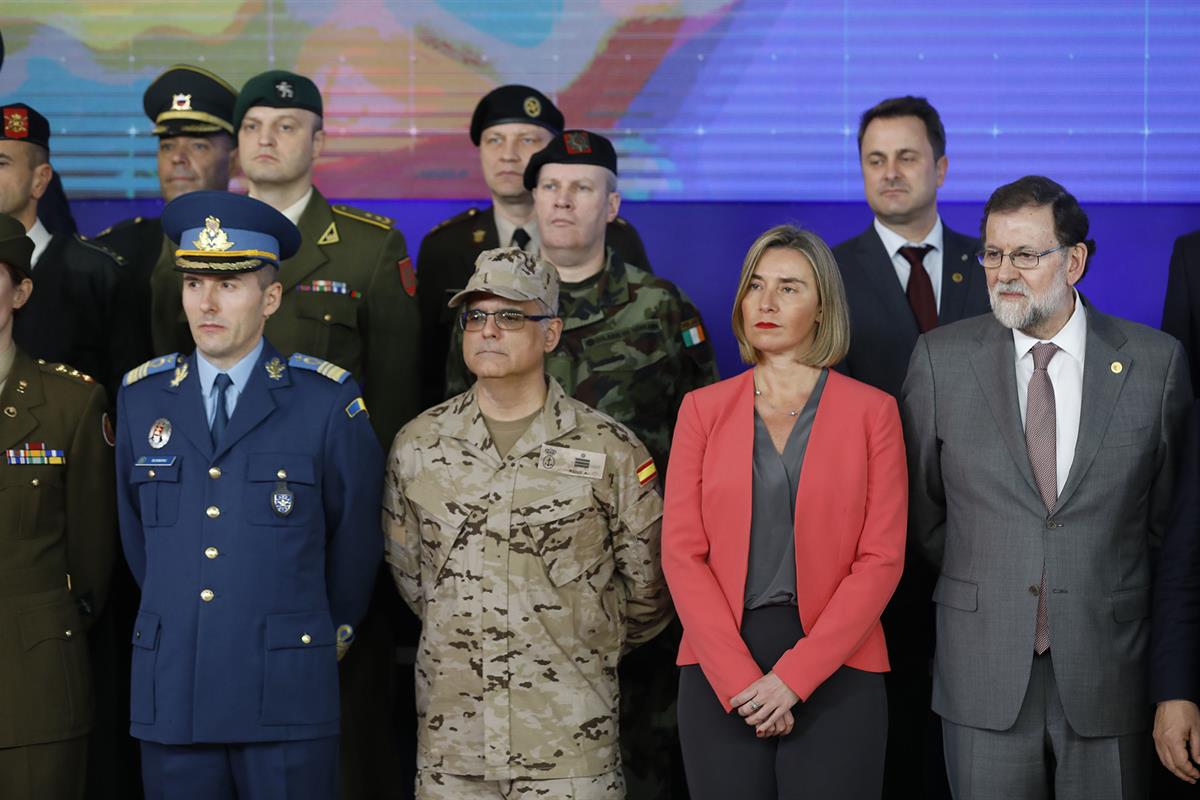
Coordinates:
<point>976,513</point>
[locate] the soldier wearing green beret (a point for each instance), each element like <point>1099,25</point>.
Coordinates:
<point>509,125</point>
<point>57,500</point>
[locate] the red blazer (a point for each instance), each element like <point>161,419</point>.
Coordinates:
<point>851,510</point>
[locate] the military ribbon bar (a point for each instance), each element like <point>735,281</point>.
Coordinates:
<point>35,453</point>
<point>328,287</point>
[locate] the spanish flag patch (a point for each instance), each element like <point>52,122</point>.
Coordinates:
<point>646,471</point>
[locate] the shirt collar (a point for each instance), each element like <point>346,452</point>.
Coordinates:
<point>1071,338</point>
<point>892,241</point>
<point>239,373</point>
<point>505,228</point>
<point>294,211</point>
<point>41,240</point>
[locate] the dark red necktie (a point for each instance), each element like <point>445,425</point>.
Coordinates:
<point>920,289</point>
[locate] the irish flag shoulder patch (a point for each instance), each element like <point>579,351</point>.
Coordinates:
<point>692,333</point>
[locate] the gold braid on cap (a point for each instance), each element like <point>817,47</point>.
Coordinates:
<point>219,266</point>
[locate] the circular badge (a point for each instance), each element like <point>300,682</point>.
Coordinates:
<point>160,433</point>
<point>548,461</point>
<point>533,106</point>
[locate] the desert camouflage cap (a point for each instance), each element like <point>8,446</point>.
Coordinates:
<point>512,273</point>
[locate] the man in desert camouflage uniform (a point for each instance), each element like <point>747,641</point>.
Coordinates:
<point>523,529</point>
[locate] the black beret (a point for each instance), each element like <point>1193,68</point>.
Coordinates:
<point>572,147</point>
<point>515,103</point>
<point>277,88</point>
<point>189,101</point>
<point>25,124</point>
<point>15,247</point>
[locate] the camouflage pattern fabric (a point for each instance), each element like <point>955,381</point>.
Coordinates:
<point>442,786</point>
<point>629,348</point>
<point>530,583</point>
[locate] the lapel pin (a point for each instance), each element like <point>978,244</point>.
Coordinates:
<point>1116,367</point>
<point>478,236</point>
<point>957,277</point>
<point>181,372</point>
<point>160,433</point>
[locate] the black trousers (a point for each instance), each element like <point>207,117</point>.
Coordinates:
<point>836,749</point>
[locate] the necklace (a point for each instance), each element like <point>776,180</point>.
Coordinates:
<point>758,393</point>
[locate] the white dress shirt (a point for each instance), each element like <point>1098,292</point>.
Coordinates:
<point>294,211</point>
<point>41,240</point>
<point>504,233</point>
<point>892,242</point>
<point>1066,376</point>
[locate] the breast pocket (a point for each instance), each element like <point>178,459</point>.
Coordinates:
<point>157,482</point>
<point>570,534</point>
<point>54,658</point>
<point>328,327</point>
<point>443,532</point>
<point>31,500</point>
<point>281,489</point>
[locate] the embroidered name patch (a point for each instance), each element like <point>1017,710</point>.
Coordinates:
<point>328,287</point>
<point>580,463</point>
<point>35,453</point>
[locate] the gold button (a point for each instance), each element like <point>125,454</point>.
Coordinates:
<point>67,633</point>
<point>10,411</point>
<point>214,472</point>
<point>281,474</point>
<point>35,482</point>
<point>328,318</point>
<point>207,595</point>
<point>151,474</point>
<point>211,552</point>
<point>213,512</point>
<point>1116,367</point>
<point>957,277</point>
<point>306,639</point>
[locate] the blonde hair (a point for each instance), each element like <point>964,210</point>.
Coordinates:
<point>832,341</point>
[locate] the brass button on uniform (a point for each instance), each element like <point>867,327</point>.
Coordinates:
<point>213,512</point>
<point>10,411</point>
<point>214,472</point>
<point>211,552</point>
<point>328,317</point>
<point>281,474</point>
<point>35,482</point>
<point>306,639</point>
<point>137,634</point>
<point>67,634</point>
<point>207,595</point>
<point>151,474</point>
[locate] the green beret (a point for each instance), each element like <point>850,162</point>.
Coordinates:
<point>15,247</point>
<point>277,88</point>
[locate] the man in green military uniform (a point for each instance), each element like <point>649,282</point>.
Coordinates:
<point>509,125</point>
<point>57,500</point>
<point>192,112</point>
<point>523,528</point>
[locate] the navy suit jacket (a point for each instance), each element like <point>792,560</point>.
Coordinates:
<point>242,591</point>
<point>883,331</point>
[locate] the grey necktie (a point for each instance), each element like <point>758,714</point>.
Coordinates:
<point>1041,440</point>
<point>221,418</point>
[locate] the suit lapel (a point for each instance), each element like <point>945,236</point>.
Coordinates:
<point>881,275</point>
<point>956,261</point>
<point>191,421</point>
<point>315,225</point>
<point>735,443</point>
<point>255,402</point>
<point>1101,389</point>
<point>18,423</point>
<point>994,366</point>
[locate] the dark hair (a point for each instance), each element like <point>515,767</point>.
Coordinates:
<point>1070,221</point>
<point>907,106</point>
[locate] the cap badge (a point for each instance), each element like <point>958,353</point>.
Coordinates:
<point>212,239</point>
<point>16,123</point>
<point>285,90</point>
<point>181,102</point>
<point>578,143</point>
<point>533,107</point>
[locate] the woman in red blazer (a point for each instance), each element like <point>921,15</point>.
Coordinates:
<point>783,539</point>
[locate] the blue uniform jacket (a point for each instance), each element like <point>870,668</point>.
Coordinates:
<point>250,556</point>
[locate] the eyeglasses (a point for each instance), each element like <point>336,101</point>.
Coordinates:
<point>1021,259</point>
<point>507,319</point>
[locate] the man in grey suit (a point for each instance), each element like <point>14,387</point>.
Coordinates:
<point>905,274</point>
<point>1041,443</point>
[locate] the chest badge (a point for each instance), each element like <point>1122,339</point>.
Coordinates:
<point>282,499</point>
<point>160,433</point>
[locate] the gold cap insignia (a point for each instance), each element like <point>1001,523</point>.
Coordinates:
<point>212,239</point>
<point>533,106</point>
<point>181,102</point>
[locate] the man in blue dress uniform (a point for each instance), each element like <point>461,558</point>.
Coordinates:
<point>249,490</point>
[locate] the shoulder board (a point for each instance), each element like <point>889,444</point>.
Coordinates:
<point>466,215</point>
<point>319,366</point>
<point>122,225</point>
<point>66,371</point>
<point>151,367</point>
<point>100,249</point>
<point>378,220</point>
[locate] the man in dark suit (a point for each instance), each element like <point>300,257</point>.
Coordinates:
<point>904,275</point>
<point>1042,442</point>
<point>509,125</point>
<point>74,316</point>
<point>1181,309</point>
<point>248,488</point>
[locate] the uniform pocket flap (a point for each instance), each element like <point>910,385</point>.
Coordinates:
<point>155,469</point>
<point>280,467</point>
<point>59,621</point>
<point>558,506</point>
<point>306,629</point>
<point>145,630</point>
<point>328,307</point>
<point>954,593</point>
<point>1131,604</point>
<point>629,348</point>
<point>437,504</point>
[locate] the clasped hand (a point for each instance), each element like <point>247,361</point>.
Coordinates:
<point>767,704</point>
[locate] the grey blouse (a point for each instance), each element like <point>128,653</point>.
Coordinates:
<point>771,578</point>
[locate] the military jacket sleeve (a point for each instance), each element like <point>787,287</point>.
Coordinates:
<point>91,507</point>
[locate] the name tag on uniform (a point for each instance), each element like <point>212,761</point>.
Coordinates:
<point>580,463</point>
<point>155,461</point>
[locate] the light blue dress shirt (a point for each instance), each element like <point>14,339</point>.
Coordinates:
<point>239,373</point>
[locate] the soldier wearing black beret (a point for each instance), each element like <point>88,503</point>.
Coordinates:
<point>59,535</point>
<point>192,112</point>
<point>509,125</point>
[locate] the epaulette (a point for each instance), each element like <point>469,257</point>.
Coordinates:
<point>113,254</point>
<point>63,369</point>
<point>319,366</point>
<point>125,223</point>
<point>378,220</point>
<point>151,367</point>
<point>466,215</point>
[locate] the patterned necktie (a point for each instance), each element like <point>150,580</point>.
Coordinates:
<point>920,289</point>
<point>1042,442</point>
<point>221,418</point>
<point>520,238</point>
